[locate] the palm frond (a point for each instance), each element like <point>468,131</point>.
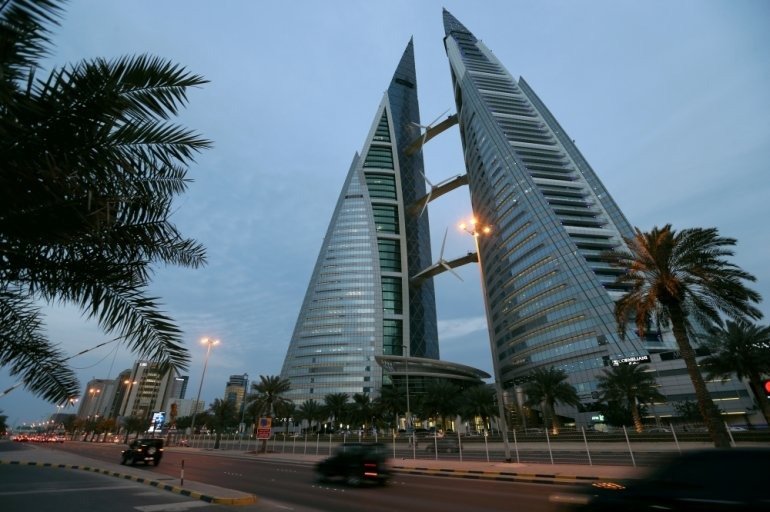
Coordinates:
<point>28,354</point>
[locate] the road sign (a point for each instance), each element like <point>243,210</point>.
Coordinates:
<point>264,428</point>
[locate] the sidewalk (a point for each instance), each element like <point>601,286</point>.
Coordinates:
<point>496,470</point>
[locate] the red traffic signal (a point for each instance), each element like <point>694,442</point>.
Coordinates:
<point>766,387</point>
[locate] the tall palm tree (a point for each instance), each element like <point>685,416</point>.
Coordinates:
<point>683,279</point>
<point>546,388</point>
<point>441,400</point>
<point>222,415</point>
<point>479,402</point>
<point>362,409</point>
<point>742,348</point>
<point>390,403</point>
<point>336,406</point>
<point>89,167</point>
<point>311,411</point>
<point>630,385</point>
<point>266,395</point>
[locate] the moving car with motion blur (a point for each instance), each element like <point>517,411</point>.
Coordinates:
<point>143,450</point>
<point>356,463</point>
<point>710,480</point>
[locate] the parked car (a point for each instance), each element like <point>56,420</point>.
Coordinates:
<point>442,445</point>
<point>143,450</point>
<point>356,463</point>
<point>712,480</point>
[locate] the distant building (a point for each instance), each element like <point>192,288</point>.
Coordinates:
<point>236,390</point>
<point>179,386</point>
<point>97,399</point>
<point>182,408</point>
<point>146,389</point>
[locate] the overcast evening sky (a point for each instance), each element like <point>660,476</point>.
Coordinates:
<point>668,101</point>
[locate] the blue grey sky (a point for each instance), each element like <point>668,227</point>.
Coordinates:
<point>668,101</point>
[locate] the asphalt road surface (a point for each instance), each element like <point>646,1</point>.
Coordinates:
<point>295,484</point>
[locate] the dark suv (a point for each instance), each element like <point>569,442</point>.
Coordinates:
<point>357,463</point>
<point>143,450</point>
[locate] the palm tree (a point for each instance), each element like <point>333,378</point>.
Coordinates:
<point>222,415</point>
<point>391,401</point>
<point>479,402</point>
<point>90,167</point>
<point>267,394</point>
<point>744,349</point>
<point>546,388</point>
<point>630,385</point>
<point>362,409</point>
<point>312,411</point>
<point>441,400</point>
<point>336,406</point>
<point>683,279</point>
<point>135,424</point>
<point>286,411</point>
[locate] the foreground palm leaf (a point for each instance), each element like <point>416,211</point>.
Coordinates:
<point>682,279</point>
<point>89,167</point>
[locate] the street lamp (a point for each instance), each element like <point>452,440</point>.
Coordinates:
<point>128,384</point>
<point>92,403</point>
<point>408,408</point>
<point>210,343</point>
<point>475,229</point>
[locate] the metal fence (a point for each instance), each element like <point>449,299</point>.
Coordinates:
<point>622,446</point>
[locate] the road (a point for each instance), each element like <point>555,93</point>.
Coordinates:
<point>295,484</point>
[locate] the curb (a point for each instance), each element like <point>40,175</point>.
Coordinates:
<point>248,499</point>
<point>503,476</point>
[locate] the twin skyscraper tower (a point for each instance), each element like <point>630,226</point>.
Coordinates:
<point>369,313</point>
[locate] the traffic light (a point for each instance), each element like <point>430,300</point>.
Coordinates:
<point>766,387</point>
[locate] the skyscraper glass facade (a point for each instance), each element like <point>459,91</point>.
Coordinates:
<point>551,295</point>
<point>359,303</point>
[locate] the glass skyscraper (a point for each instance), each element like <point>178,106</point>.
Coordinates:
<point>550,293</point>
<point>359,303</point>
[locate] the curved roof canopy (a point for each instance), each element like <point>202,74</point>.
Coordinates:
<point>424,367</point>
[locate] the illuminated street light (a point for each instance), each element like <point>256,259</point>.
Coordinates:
<point>128,384</point>
<point>210,343</point>
<point>476,230</point>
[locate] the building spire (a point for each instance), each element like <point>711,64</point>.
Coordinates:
<point>452,25</point>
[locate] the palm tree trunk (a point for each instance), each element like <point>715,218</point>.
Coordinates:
<point>764,405</point>
<point>708,410</point>
<point>635,414</point>
<point>554,419</point>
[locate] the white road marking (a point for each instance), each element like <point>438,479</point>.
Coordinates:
<point>173,507</point>
<point>79,489</point>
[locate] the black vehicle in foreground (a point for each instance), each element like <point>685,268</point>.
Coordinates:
<point>709,480</point>
<point>357,463</point>
<point>143,450</point>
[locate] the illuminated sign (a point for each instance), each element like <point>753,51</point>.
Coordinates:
<point>631,360</point>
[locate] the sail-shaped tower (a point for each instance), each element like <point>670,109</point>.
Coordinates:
<point>359,303</point>
<point>549,292</point>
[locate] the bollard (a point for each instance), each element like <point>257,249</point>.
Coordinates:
<point>182,476</point>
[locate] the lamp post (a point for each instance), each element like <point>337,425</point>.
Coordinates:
<point>210,343</point>
<point>128,384</point>
<point>243,402</point>
<point>408,407</point>
<point>475,230</point>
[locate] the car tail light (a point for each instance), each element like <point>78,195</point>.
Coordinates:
<point>370,469</point>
